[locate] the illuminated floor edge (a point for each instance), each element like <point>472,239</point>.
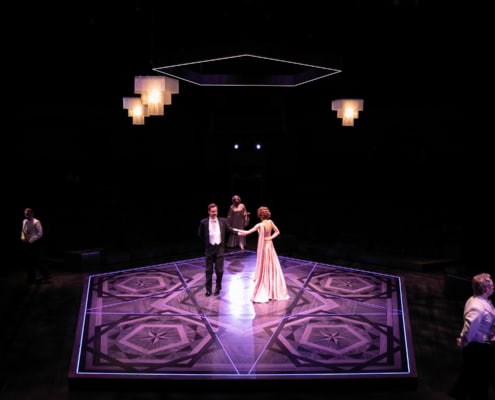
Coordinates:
<point>154,324</point>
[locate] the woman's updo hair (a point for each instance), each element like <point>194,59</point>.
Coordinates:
<point>264,213</point>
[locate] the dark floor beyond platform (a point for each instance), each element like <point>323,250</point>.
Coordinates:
<point>43,336</point>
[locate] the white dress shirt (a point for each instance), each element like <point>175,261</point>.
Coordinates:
<point>479,320</point>
<point>214,230</point>
<point>31,230</point>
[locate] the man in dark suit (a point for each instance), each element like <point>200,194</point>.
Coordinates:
<point>212,232</point>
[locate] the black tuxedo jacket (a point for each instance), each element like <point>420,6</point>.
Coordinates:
<point>204,230</point>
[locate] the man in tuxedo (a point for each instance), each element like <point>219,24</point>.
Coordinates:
<point>212,232</point>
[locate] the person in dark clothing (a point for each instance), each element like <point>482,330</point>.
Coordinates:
<point>31,241</point>
<point>212,231</point>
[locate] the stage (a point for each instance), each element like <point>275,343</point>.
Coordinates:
<point>153,325</point>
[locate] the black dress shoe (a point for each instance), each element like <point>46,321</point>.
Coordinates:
<point>208,293</point>
<point>217,292</point>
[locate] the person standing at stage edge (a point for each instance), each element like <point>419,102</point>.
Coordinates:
<point>212,231</point>
<point>238,217</point>
<point>477,341</point>
<point>31,238</point>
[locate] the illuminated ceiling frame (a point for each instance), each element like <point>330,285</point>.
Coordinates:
<point>254,70</point>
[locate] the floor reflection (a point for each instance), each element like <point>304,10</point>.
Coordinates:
<point>156,322</point>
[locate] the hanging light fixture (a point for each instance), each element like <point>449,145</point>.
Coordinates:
<point>348,110</point>
<point>155,91</point>
<point>135,109</point>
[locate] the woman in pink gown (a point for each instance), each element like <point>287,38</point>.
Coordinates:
<point>269,281</point>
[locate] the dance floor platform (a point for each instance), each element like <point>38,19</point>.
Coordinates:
<point>153,325</point>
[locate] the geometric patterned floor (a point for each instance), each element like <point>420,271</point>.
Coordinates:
<point>155,323</point>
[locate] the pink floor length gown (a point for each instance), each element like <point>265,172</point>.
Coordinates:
<point>269,281</point>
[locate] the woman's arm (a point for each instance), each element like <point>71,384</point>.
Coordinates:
<point>229,215</point>
<point>242,232</point>
<point>275,233</point>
